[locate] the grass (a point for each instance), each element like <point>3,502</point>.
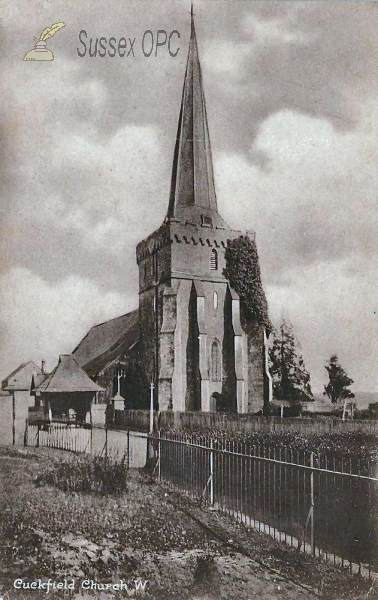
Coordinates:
<point>87,475</point>
<point>50,531</point>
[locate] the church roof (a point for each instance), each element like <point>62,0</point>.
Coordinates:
<point>192,194</point>
<point>106,341</point>
<point>68,377</point>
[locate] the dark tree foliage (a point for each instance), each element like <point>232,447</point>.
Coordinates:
<point>243,272</point>
<point>339,382</point>
<point>291,380</point>
<point>373,410</point>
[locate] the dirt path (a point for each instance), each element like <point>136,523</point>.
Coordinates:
<point>238,577</point>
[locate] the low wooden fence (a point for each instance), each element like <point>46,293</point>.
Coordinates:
<point>58,434</point>
<point>85,438</point>
<point>323,505</point>
<point>139,420</point>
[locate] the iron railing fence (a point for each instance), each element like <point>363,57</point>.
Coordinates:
<point>327,505</point>
<point>320,504</point>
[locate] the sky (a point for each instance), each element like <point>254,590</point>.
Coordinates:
<point>87,147</point>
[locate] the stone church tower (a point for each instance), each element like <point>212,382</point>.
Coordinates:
<point>194,348</point>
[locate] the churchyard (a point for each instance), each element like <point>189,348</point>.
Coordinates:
<point>88,522</point>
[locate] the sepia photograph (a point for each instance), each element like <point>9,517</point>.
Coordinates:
<point>188,300</point>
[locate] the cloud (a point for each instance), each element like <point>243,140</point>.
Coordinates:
<point>284,27</point>
<point>333,312</point>
<point>122,184</point>
<point>313,200</point>
<point>40,320</point>
<point>317,59</point>
<point>100,191</point>
<point>226,59</point>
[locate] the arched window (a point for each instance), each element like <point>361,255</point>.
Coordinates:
<point>214,261</point>
<point>215,300</point>
<point>215,361</point>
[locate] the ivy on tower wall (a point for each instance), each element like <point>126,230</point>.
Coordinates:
<point>243,272</point>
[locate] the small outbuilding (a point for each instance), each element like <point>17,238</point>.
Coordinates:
<point>67,390</point>
<point>15,401</point>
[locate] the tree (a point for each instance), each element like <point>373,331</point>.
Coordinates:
<point>338,383</point>
<point>291,380</point>
<point>373,410</point>
<point>243,272</point>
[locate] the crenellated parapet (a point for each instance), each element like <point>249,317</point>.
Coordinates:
<point>183,233</point>
<point>157,240</point>
<point>183,250</point>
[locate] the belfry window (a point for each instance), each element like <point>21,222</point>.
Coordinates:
<point>215,361</point>
<point>214,260</point>
<point>207,221</point>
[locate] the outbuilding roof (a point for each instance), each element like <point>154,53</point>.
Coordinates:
<point>68,376</point>
<point>20,378</point>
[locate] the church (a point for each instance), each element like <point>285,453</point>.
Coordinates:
<point>187,338</point>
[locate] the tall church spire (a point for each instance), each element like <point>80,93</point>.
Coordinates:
<point>192,186</point>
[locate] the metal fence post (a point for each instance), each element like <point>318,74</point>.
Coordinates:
<point>128,448</point>
<point>312,503</point>
<point>26,433</point>
<point>159,454</point>
<point>151,408</point>
<point>13,419</point>
<point>211,460</point>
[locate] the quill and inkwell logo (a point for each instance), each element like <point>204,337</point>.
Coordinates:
<point>40,51</point>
